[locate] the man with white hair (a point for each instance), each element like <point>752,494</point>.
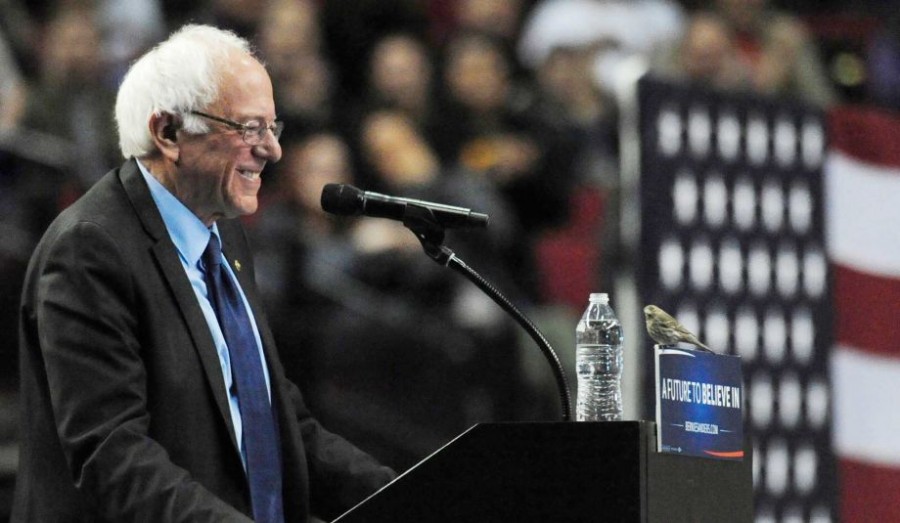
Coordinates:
<point>151,387</point>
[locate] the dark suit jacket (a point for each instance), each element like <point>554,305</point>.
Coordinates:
<point>125,415</point>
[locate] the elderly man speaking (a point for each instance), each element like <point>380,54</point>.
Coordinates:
<point>152,389</point>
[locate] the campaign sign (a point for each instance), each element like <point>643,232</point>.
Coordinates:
<point>699,398</point>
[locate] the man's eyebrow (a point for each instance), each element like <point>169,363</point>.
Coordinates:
<point>248,119</point>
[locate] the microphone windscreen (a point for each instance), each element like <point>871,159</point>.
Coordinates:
<point>342,199</point>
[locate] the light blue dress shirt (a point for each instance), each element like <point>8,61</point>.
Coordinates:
<point>190,237</point>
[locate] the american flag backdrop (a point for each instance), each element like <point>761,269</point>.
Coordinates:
<point>733,243</point>
<point>862,175</point>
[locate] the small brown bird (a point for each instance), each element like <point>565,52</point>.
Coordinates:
<point>665,330</point>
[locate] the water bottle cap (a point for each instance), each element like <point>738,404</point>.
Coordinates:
<point>602,297</point>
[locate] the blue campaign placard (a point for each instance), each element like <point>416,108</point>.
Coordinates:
<point>699,400</point>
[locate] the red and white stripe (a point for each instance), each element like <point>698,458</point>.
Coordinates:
<point>862,190</point>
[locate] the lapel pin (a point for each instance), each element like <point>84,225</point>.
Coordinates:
<point>237,265</point>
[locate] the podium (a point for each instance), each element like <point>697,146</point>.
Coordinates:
<point>559,472</point>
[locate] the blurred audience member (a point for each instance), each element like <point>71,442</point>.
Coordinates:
<point>394,149</point>
<point>305,98</point>
<point>499,19</point>
<point>71,100</point>
<point>403,162</point>
<point>351,28</point>
<point>572,102</point>
<point>707,56</point>
<point>582,111</point>
<point>619,31</point>
<point>572,96</point>
<point>291,42</point>
<point>289,28</point>
<point>778,51</point>
<point>490,128</point>
<point>400,76</point>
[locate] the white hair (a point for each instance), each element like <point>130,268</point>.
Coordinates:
<point>177,76</point>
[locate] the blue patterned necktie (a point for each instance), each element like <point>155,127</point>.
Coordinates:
<point>260,435</point>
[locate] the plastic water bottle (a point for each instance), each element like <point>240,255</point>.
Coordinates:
<point>598,359</point>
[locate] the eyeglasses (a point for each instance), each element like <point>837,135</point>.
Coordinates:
<point>253,132</point>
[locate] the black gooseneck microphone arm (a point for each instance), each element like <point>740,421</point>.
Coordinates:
<point>430,233</point>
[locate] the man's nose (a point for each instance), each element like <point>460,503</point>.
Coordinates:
<point>269,148</point>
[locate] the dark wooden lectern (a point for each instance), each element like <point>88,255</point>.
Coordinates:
<point>557,472</point>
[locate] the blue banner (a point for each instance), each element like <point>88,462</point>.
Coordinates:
<point>699,400</point>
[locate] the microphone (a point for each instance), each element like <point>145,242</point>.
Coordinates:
<point>346,200</point>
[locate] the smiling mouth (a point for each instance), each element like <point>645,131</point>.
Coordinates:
<point>249,175</point>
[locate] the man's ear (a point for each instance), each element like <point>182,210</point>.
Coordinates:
<point>164,130</point>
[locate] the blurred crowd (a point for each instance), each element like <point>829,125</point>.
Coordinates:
<point>504,106</point>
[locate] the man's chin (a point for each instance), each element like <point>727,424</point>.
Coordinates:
<point>243,207</point>
<point>247,210</point>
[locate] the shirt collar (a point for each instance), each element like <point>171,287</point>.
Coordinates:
<point>187,232</point>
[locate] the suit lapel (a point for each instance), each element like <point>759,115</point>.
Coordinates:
<point>169,264</point>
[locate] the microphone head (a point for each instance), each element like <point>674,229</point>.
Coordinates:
<point>342,199</point>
